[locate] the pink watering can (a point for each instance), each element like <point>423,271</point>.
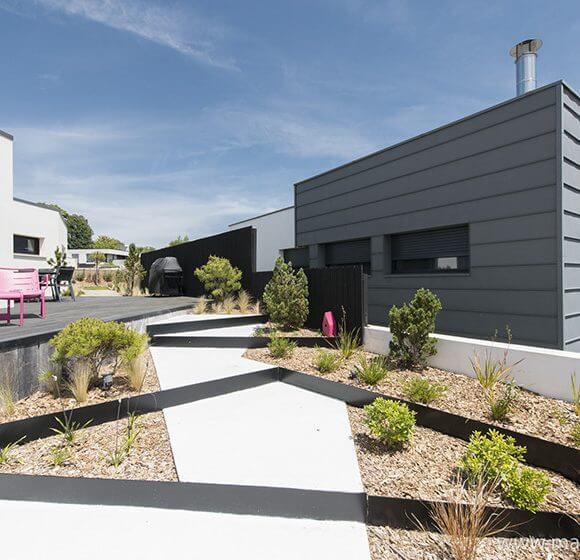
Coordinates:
<point>328,324</point>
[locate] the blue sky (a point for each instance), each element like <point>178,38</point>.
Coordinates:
<point>163,117</point>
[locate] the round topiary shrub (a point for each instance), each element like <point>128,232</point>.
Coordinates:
<point>392,422</point>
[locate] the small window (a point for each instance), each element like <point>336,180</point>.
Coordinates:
<point>349,253</point>
<point>26,245</point>
<point>298,257</point>
<point>436,251</point>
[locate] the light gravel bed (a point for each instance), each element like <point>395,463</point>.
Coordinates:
<point>427,468</point>
<point>150,458</point>
<point>534,414</point>
<point>396,544</point>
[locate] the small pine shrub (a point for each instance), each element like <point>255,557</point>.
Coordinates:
<point>286,296</point>
<point>421,390</point>
<point>495,457</point>
<point>411,324</point>
<point>392,422</point>
<point>373,371</point>
<point>96,342</point>
<point>326,361</point>
<point>281,347</point>
<point>219,277</point>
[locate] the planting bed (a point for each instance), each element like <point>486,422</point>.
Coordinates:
<point>427,468</point>
<point>43,402</point>
<point>150,457</point>
<point>397,544</point>
<point>533,414</point>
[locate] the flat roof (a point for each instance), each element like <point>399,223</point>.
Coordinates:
<point>6,135</point>
<point>442,127</point>
<point>260,216</point>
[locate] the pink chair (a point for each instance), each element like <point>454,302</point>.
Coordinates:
<point>23,283</point>
<point>7,293</point>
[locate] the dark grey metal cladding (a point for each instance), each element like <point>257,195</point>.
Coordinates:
<point>571,218</point>
<point>496,171</point>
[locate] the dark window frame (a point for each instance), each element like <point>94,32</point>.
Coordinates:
<point>16,238</point>
<point>410,253</point>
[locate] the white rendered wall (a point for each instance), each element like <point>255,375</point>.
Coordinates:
<point>24,219</point>
<point>274,232</point>
<point>542,370</point>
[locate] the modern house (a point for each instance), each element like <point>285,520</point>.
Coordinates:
<point>274,235</point>
<point>484,211</point>
<point>29,233</point>
<point>83,258</point>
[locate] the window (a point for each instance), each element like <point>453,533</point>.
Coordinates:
<point>298,257</point>
<point>349,253</point>
<point>26,245</point>
<point>436,251</point>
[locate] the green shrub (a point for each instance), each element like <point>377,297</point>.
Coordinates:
<point>392,422</point>
<point>108,276</point>
<point>280,346</point>
<point>496,458</point>
<point>421,390</point>
<point>326,361</point>
<point>526,487</point>
<point>80,275</point>
<point>97,342</point>
<point>410,325</point>
<point>219,277</point>
<point>286,296</point>
<point>371,371</point>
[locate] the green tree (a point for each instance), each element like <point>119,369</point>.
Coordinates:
<point>219,277</point>
<point>80,233</point>
<point>106,242</point>
<point>97,258</point>
<point>179,240</point>
<point>134,270</point>
<point>411,324</point>
<point>145,249</point>
<point>286,296</point>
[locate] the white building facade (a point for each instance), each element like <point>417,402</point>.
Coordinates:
<point>29,233</point>
<point>274,234</point>
<point>83,258</point>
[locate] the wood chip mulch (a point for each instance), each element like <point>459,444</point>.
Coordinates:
<point>427,468</point>
<point>397,544</point>
<point>150,458</point>
<point>533,414</point>
<point>42,402</point>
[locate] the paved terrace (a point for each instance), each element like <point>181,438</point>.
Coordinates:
<point>60,314</point>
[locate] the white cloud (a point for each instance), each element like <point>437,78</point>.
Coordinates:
<point>162,23</point>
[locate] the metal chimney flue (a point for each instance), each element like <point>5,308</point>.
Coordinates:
<point>525,54</point>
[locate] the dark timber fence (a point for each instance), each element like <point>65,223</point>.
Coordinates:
<point>238,246</point>
<point>329,289</point>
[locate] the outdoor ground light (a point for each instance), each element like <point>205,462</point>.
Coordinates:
<point>107,381</point>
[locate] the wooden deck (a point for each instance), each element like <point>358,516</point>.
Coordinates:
<point>60,314</point>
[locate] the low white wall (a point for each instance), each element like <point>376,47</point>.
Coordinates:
<point>542,370</point>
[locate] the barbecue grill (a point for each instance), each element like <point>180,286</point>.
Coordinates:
<point>165,277</point>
